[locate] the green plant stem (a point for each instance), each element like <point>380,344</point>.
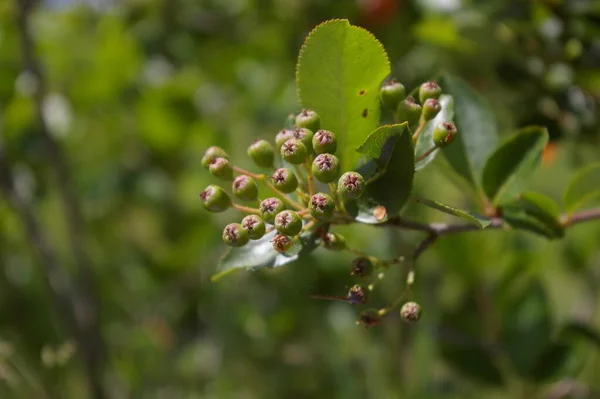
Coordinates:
<point>426,153</point>
<point>417,132</point>
<point>246,209</point>
<point>241,171</point>
<point>311,181</point>
<point>336,199</point>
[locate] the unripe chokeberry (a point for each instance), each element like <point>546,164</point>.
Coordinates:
<point>305,136</point>
<point>254,226</point>
<point>261,153</point>
<point>408,111</point>
<point>410,312</point>
<point>324,141</point>
<point>357,295</point>
<point>308,119</point>
<point>269,208</point>
<point>362,267</point>
<point>235,235</point>
<point>245,188</point>
<point>443,134</point>
<point>370,318</point>
<point>294,151</point>
<point>284,180</point>
<point>431,107</point>
<point>429,90</point>
<point>288,223</point>
<point>326,168</point>
<point>351,185</point>
<point>391,94</point>
<point>334,242</point>
<point>221,168</point>
<point>215,199</point>
<point>282,243</point>
<point>321,206</point>
<point>211,154</point>
<point>282,136</point>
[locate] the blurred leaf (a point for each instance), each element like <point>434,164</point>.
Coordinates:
<point>538,209</point>
<point>583,188</point>
<point>473,218</point>
<point>339,73</point>
<point>443,32</point>
<point>519,219</point>
<point>551,361</point>
<point>509,168</point>
<point>425,141</point>
<point>477,133</point>
<point>473,361</point>
<point>584,331</point>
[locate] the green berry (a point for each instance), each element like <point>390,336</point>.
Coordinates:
<point>294,151</point>
<point>334,242</point>
<point>308,119</point>
<point>245,188</point>
<point>221,168</point>
<point>362,267</point>
<point>211,154</point>
<point>408,111</point>
<point>305,136</point>
<point>283,136</point>
<point>324,141</point>
<point>410,312</point>
<point>282,243</point>
<point>288,223</point>
<point>235,235</point>
<point>431,107</point>
<point>351,185</point>
<point>254,226</point>
<point>357,295</point>
<point>215,199</point>
<point>321,206</point>
<point>443,134</point>
<point>269,208</point>
<point>429,90</point>
<point>391,94</point>
<point>261,153</point>
<point>326,168</point>
<point>369,318</point>
<point>284,180</point>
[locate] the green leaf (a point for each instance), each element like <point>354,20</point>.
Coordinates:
<point>551,361</point>
<point>512,164</point>
<point>478,220</point>
<point>519,219</point>
<point>472,360</point>
<point>583,188</point>
<point>339,73</point>
<point>540,210</point>
<point>477,133</point>
<point>364,210</point>
<point>578,329</point>
<point>425,141</point>
<point>391,169</point>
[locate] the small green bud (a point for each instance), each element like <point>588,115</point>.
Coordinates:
<point>431,107</point>
<point>245,188</point>
<point>261,153</point>
<point>215,199</point>
<point>429,90</point>
<point>334,242</point>
<point>391,94</point>
<point>370,318</point>
<point>326,168</point>
<point>283,136</point>
<point>221,168</point>
<point>308,119</point>
<point>294,151</point>
<point>211,154</point>
<point>408,111</point>
<point>282,243</point>
<point>351,185</point>
<point>234,235</point>
<point>284,180</point>
<point>324,141</point>
<point>254,226</point>
<point>321,206</point>
<point>410,312</point>
<point>362,267</point>
<point>269,208</point>
<point>357,295</point>
<point>443,134</point>
<point>305,136</point>
<point>288,223</point>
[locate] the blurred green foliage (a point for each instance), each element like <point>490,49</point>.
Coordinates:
<point>136,90</point>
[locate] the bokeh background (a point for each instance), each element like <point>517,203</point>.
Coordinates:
<point>106,108</point>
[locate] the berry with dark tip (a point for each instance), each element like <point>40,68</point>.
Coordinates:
<point>284,180</point>
<point>324,141</point>
<point>408,111</point>
<point>211,154</point>
<point>305,136</point>
<point>269,208</point>
<point>282,243</point>
<point>429,90</point>
<point>288,223</point>
<point>362,267</point>
<point>326,168</point>
<point>294,151</point>
<point>357,295</point>
<point>282,136</point>
<point>221,168</point>
<point>245,188</point>
<point>308,119</point>
<point>443,134</point>
<point>254,226</point>
<point>391,94</point>
<point>431,107</point>
<point>261,153</point>
<point>351,185</point>
<point>234,235</point>
<point>321,206</point>
<point>215,199</point>
<point>370,318</point>
<point>334,242</point>
<point>410,312</point>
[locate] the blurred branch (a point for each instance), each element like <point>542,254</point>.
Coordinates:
<point>86,309</point>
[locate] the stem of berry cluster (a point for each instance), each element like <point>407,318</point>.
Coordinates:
<point>426,153</point>
<point>417,132</point>
<point>264,179</point>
